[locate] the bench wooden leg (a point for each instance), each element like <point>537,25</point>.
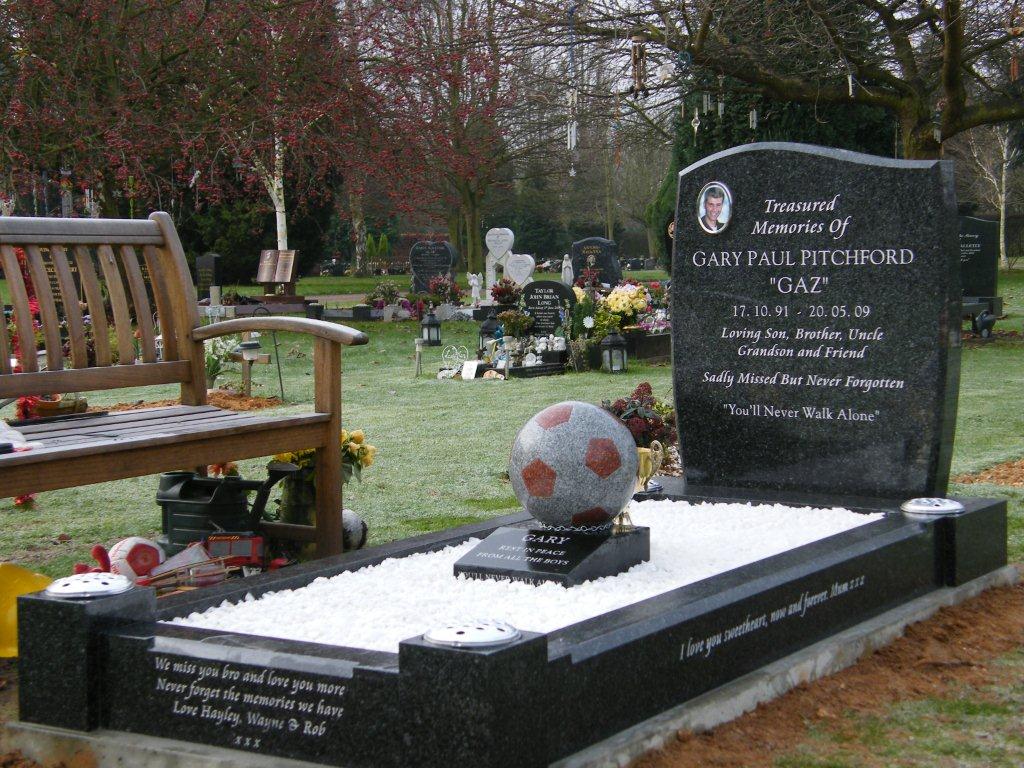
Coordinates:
<point>327,399</point>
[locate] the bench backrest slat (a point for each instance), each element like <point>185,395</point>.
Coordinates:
<point>22,313</point>
<point>158,282</point>
<point>98,261</point>
<point>118,305</point>
<point>97,306</point>
<point>143,312</point>
<point>72,310</point>
<point>47,308</point>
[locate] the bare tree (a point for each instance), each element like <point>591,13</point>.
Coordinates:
<point>938,66</point>
<point>989,154</point>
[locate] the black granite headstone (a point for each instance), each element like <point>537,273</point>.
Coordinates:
<point>545,301</point>
<point>207,273</point>
<point>597,253</point>
<point>816,329</point>
<point>537,555</point>
<point>429,260</point>
<point>979,256</point>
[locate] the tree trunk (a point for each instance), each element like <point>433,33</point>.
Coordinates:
<point>358,219</point>
<point>653,242</point>
<point>919,142</point>
<point>1004,257</point>
<point>609,202</point>
<point>471,222</point>
<point>274,183</point>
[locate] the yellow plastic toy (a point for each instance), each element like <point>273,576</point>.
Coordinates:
<point>14,581</point>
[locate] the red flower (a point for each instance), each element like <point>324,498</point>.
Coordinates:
<point>643,390</point>
<point>26,500</point>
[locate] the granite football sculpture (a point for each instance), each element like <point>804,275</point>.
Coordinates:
<point>573,465</point>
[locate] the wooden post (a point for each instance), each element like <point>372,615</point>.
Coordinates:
<point>246,370</point>
<point>327,399</point>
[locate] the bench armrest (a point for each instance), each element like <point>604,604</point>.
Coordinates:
<point>319,328</point>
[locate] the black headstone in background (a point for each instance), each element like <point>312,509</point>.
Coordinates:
<point>543,300</point>
<point>979,256</point>
<point>207,273</point>
<point>605,255</point>
<point>428,260</point>
<point>816,337</point>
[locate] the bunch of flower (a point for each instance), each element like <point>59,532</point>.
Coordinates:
<point>514,323</point>
<point>445,289</point>
<point>659,296</point>
<point>506,291</point>
<point>382,295</point>
<point>356,455</point>
<point>217,354</point>
<point>627,299</point>
<point>589,277</point>
<point>655,322</point>
<point>646,417</point>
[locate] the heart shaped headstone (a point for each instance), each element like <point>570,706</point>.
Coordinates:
<point>519,267</point>
<point>499,241</point>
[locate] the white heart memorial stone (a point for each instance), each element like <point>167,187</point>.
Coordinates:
<point>499,241</point>
<point>519,267</point>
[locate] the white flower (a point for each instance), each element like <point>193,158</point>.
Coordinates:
<point>588,322</point>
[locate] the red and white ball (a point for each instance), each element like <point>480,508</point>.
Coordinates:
<point>574,465</point>
<point>135,557</point>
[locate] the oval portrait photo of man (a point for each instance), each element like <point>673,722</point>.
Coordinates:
<point>714,207</point>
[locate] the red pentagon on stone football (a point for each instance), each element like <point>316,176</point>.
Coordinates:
<point>573,465</point>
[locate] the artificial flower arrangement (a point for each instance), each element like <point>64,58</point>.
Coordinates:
<point>445,289</point>
<point>646,417</point>
<point>627,300</point>
<point>356,455</point>
<point>514,323</point>
<point>382,295</point>
<point>589,277</point>
<point>659,296</point>
<point>506,291</point>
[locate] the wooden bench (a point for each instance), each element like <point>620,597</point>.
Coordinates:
<point>95,449</point>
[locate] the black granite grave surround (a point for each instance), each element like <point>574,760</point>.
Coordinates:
<point>109,664</point>
<point>816,338</point>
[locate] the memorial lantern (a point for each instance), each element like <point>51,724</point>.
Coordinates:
<point>487,330</point>
<point>430,329</point>
<point>613,353</point>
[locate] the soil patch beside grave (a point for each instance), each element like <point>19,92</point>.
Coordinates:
<point>1007,473</point>
<point>953,649</point>
<point>232,401</point>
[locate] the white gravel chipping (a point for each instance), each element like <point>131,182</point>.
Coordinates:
<point>377,606</point>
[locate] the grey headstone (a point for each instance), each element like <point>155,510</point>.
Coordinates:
<point>816,332</point>
<point>979,256</point>
<point>544,300</point>
<point>429,260</point>
<point>605,255</point>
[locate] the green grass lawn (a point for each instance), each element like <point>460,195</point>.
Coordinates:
<point>443,445</point>
<point>341,286</point>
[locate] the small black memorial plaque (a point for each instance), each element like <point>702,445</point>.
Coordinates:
<point>544,301</point>
<point>207,273</point>
<point>429,260</point>
<point>816,327</point>
<point>602,254</point>
<point>538,555</point>
<point>979,256</point>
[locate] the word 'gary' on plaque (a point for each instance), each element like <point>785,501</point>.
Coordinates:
<point>816,327</point>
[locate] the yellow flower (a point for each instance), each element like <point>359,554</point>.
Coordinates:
<point>353,449</point>
<point>580,294</point>
<point>356,436</point>
<point>344,437</point>
<point>366,459</point>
